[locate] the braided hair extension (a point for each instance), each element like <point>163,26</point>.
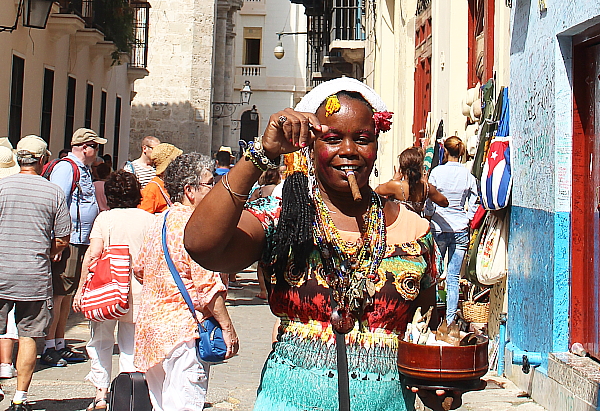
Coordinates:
<point>294,232</point>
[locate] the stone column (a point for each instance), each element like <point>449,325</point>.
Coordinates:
<point>228,76</point>
<point>218,69</point>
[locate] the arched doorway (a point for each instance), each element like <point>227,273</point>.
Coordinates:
<point>249,124</point>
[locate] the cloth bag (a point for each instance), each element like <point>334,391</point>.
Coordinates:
<point>106,289</point>
<point>492,264</point>
<point>210,347</point>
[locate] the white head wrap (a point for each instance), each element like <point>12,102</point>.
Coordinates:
<point>311,101</point>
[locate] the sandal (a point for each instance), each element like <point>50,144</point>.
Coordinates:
<point>97,404</point>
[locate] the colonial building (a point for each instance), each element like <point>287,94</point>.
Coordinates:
<point>554,274</point>
<point>277,81</point>
<point>191,66</point>
<point>71,73</point>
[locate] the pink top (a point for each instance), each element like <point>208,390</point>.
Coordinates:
<point>100,196</point>
<point>164,320</point>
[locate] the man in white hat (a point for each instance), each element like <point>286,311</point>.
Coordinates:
<point>66,272</point>
<point>8,164</point>
<point>34,225</point>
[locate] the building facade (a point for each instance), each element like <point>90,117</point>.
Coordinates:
<point>276,83</point>
<point>553,277</point>
<point>66,76</point>
<point>191,66</point>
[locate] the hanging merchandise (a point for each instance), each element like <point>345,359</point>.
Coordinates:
<point>496,180</point>
<point>487,127</point>
<point>492,264</point>
<point>428,162</point>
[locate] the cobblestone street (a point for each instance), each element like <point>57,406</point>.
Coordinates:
<point>233,384</point>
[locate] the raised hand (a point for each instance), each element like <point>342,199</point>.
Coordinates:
<point>289,131</point>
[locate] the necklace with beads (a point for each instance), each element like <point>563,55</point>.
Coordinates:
<point>350,268</point>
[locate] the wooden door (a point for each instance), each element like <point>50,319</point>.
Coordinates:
<point>585,240</point>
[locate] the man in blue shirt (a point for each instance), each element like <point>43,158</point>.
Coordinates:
<point>66,271</point>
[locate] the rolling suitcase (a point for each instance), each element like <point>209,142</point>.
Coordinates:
<point>129,392</point>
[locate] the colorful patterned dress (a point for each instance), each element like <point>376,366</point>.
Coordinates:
<point>164,320</point>
<point>301,372</point>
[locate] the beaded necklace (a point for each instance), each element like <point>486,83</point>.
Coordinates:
<point>350,269</point>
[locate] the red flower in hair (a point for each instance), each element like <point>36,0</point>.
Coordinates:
<point>382,121</point>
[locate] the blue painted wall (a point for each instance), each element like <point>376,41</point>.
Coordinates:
<point>541,126</point>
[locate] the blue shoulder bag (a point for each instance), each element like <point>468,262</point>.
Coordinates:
<point>210,347</point>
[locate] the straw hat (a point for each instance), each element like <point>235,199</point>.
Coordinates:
<point>162,155</point>
<point>5,142</point>
<point>8,164</point>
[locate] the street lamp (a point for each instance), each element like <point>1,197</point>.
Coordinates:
<point>36,13</point>
<point>222,109</point>
<point>279,51</point>
<point>246,93</point>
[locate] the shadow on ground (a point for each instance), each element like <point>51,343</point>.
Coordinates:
<point>71,404</point>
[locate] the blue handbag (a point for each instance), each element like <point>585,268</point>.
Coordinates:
<point>210,347</point>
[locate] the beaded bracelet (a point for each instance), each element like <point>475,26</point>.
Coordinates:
<point>254,152</point>
<point>225,181</point>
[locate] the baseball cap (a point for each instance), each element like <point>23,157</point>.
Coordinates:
<point>85,135</point>
<point>8,165</point>
<point>32,147</point>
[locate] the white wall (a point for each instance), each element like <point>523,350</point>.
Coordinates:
<point>280,81</point>
<point>68,48</point>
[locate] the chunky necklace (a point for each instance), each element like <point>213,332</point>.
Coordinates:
<point>350,269</point>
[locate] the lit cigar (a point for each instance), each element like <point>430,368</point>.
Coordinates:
<point>353,185</point>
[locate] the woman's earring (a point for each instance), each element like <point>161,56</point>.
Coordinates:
<point>376,172</point>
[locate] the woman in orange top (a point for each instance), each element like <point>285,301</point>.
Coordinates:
<point>155,198</point>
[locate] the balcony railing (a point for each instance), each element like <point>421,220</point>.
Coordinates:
<point>251,70</point>
<point>422,5</point>
<point>347,20</point>
<point>125,23</point>
<point>139,46</point>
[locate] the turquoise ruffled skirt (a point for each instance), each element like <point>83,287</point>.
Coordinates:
<point>301,375</point>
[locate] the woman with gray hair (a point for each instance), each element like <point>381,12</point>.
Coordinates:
<point>165,331</point>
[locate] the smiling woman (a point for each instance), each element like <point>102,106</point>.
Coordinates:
<point>343,276</point>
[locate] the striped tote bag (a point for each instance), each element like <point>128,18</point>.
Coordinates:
<point>106,289</point>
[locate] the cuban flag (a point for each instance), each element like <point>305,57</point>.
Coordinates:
<point>496,178</point>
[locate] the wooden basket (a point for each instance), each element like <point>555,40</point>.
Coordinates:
<point>475,312</point>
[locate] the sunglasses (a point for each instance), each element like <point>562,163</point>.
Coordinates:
<point>209,185</point>
<point>93,146</point>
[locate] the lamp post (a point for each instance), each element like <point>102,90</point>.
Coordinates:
<point>279,51</point>
<point>36,13</point>
<point>223,109</point>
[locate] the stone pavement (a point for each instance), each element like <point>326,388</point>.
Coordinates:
<point>233,384</point>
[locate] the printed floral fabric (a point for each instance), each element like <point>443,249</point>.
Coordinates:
<point>301,371</point>
<point>164,320</point>
<point>406,269</point>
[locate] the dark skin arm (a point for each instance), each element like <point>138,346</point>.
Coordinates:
<point>220,236</point>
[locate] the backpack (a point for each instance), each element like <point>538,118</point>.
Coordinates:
<point>49,167</point>
<point>129,392</point>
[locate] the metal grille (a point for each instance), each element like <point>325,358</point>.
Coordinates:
<point>139,47</point>
<point>346,21</point>
<point>422,5</point>
<point>317,33</point>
